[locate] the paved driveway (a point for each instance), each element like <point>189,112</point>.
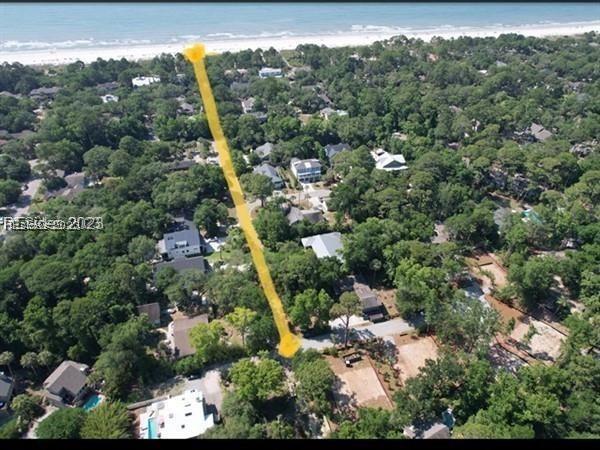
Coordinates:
<point>362,332</point>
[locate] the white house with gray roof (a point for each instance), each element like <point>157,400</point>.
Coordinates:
<point>269,72</point>
<point>325,245</point>
<point>306,170</point>
<point>388,161</point>
<point>183,240</point>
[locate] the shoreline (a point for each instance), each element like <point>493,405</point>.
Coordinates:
<point>144,52</point>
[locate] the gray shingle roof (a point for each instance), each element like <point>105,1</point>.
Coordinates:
<point>6,385</point>
<point>269,171</point>
<point>183,231</point>
<point>437,431</point>
<point>152,310</point>
<point>297,215</point>
<point>69,376</point>
<point>332,150</point>
<point>264,150</point>
<point>181,333</point>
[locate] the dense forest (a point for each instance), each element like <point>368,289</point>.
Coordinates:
<point>458,110</point>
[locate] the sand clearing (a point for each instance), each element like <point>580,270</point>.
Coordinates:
<point>412,353</point>
<point>358,385</point>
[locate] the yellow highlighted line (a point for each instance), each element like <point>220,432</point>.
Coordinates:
<point>289,343</point>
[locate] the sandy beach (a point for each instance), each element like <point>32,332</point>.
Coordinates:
<point>357,38</point>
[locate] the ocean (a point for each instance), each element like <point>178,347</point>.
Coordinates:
<point>56,26</point>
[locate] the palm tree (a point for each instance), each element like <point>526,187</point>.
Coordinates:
<point>6,359</point>
<point>30,361</point>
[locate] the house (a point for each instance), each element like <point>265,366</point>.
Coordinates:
<point>539,132</point>
<point>325,245</point>
<point>179,334</point>
<point>107,87</point>
<point>584,149</point>
<point>248,105</point>
<point>318,198</point>
<point>295,215</point>
<point>144,81</point>
<point>76,182</point>
<point>268,72</point>
<point>327,112</point>
<point>388,161</point>
<point>183,164</point>
<point>333,149</point>
<point>372,307</point>
<point>182,264</point>
<point>179,417</point>
<point>6,389</point>
<point>44,92</point>
<point>306,170</point>
<point>270,171</point>
<point>183,240</point>
<point>152,310</point>
<point>67,384</point>
<point>186,108</point>
<point>264,151</point>
<point>437,431</point>
<point>109,98</point>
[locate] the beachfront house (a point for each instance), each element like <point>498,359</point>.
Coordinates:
<point>306,170</point>
<point>144,81</point>
<point>179,334</point>
<point>182,240</point>
<point>270,171</point>
<point>388,161</point>
<point>328,245</point>
<point>179,417</point>
<point>67,384</point>
<point>268,72</point>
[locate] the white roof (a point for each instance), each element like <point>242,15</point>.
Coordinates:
<point>324,245</point>
<point>179,417</point>
<point>388,161</point>
<point>144,81</point>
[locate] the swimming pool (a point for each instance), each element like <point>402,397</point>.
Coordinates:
<point>152,433</point>
<point>93,401</point>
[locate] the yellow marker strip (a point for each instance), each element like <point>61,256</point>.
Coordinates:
<point>289,343</point>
